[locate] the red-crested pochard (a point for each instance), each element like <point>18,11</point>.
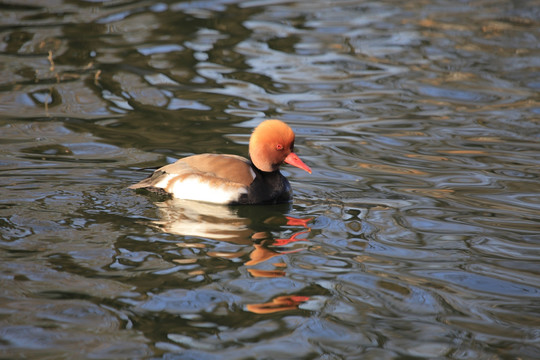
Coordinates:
<point>232,179</point>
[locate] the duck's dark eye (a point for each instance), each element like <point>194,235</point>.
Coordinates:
<point>279,147</point>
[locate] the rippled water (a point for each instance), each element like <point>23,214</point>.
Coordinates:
<point>416,236</point>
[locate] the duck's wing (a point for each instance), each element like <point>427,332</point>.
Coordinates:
<point>206,177</point>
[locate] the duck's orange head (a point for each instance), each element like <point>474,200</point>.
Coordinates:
<point>272,144</point>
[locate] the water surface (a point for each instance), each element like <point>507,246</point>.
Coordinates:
<point>415,237</point>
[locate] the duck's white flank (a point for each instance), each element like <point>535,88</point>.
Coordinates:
<point>196,188</point>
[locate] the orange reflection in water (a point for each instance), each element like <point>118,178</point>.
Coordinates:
<point>266,273</point>
<point>262,253</point>
<point>291,221</point>
<point>293,238</point>
<point>281,303</point>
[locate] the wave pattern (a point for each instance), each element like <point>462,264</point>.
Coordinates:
<point>416,235</point>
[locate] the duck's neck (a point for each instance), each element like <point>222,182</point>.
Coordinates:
<point>269,187</point>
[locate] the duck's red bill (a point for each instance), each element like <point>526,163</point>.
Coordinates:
<point>294,160</point>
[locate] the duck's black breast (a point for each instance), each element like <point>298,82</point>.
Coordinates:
<point>268,188</point>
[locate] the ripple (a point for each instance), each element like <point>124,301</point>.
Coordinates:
<point>456,94</point>
<point>415,236</point>
<point>183,302</point>
<point>503,247</point>
<point>482,283</point>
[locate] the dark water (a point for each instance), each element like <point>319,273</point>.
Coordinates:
<point>416,236</point>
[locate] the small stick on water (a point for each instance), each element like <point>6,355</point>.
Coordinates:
<point>96,77</point>
<point>50,58</point>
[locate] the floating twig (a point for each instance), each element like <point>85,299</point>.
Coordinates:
<point>96,77</point>
<point>51,61</point>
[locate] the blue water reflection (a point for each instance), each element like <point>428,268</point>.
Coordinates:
<point>416,236</point>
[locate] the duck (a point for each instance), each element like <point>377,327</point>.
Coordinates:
<point>232,179</point>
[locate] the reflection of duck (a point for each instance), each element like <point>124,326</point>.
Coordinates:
<point>231,224</point>
<point>223,223</point>
<point>231,179</point>
<point>192,218</point>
